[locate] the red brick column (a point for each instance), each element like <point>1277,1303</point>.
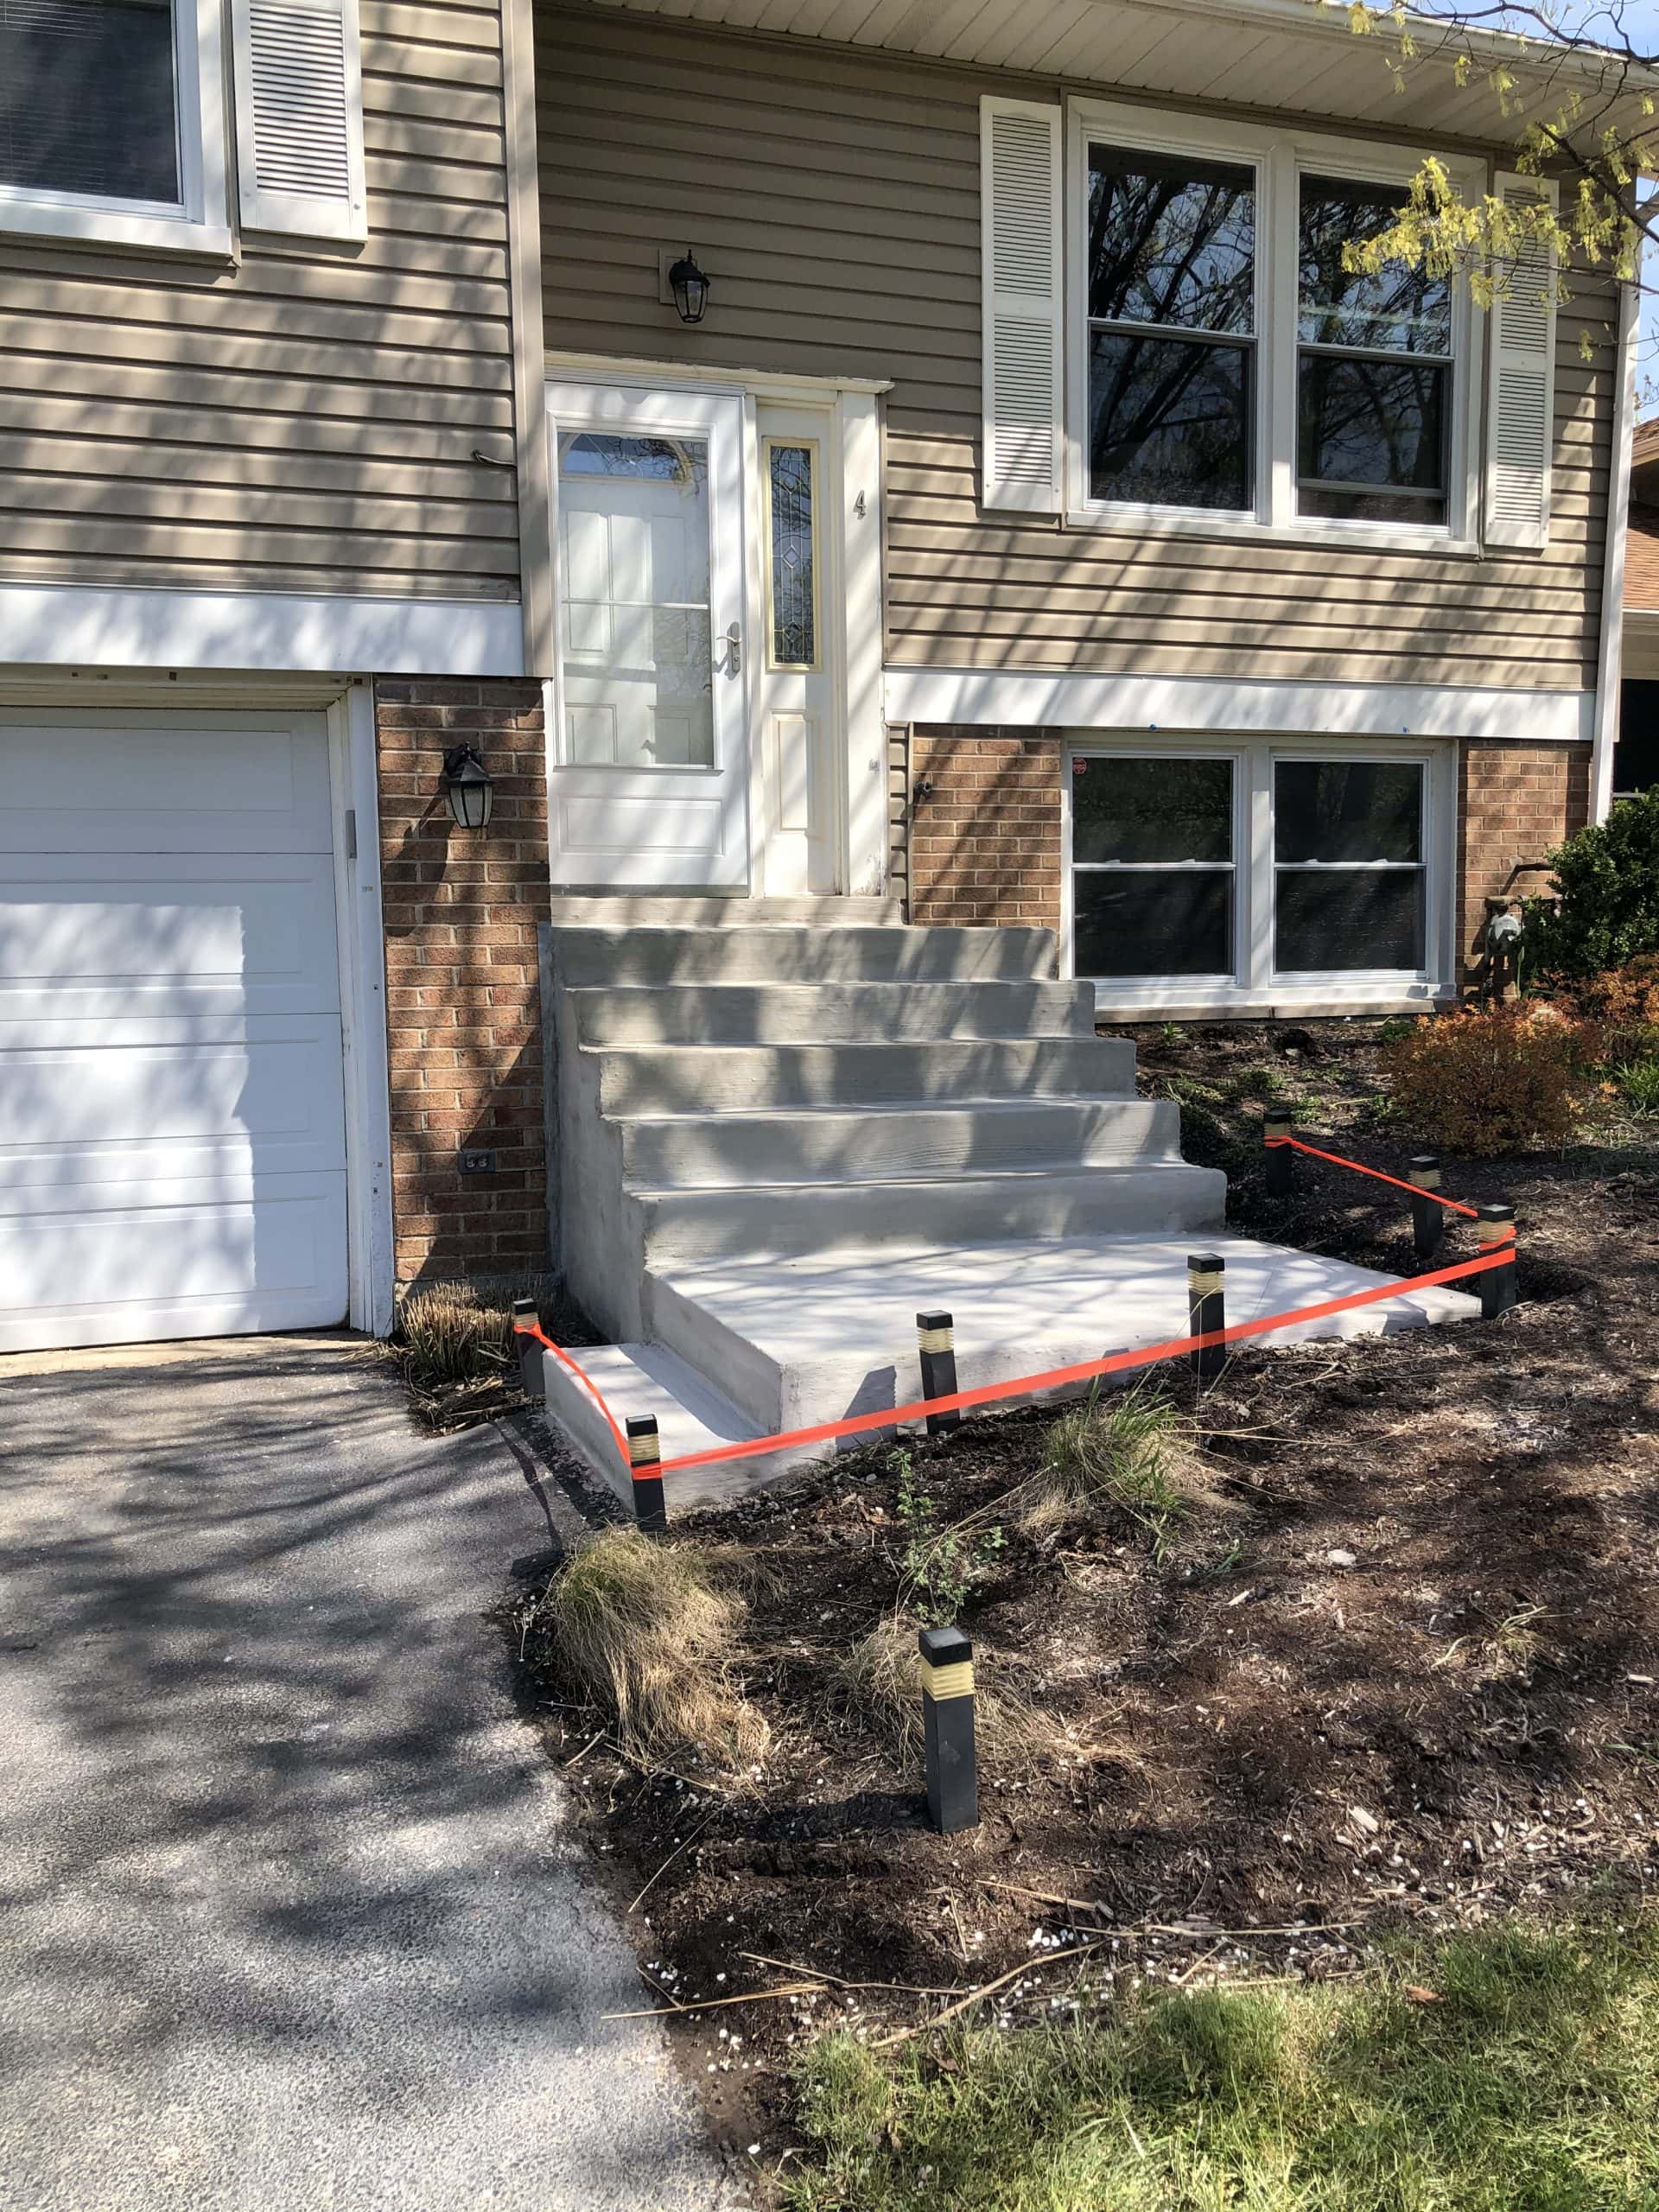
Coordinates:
<point>985,841</point>
<point>1515,802</point>
<point>462,1001</point>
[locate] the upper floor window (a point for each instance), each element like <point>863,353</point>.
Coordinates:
<point>1172,330</point>
<point>89,100</point>
<point>112,123</point>
<point>1225,367</point>
<point>1374,367</point>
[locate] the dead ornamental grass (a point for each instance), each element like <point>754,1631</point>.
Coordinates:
<point>881,1678</point>
<point>647,1630</point>
<point>1125,1452</point>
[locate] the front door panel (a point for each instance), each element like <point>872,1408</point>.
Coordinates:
<point>649,765</point>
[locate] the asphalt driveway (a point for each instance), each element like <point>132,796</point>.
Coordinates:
<point>286,1917</point>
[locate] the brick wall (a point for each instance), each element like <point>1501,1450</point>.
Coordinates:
<point>1514,802</point>
<point>463,1013</point>
<point>985,842</point>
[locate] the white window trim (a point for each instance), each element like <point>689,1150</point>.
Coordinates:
<point>1255,987</point>
<point>1278,159</point>
<point>199,224</point>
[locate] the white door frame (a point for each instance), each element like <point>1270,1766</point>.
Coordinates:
<point>348,706</point>
<point>853,538</point>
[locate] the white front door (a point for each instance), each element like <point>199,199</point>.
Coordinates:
<point>649,766</point>
<point>798,739</point>
<point>172,1101</point>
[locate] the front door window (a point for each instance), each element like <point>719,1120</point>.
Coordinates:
<point>638,634</point>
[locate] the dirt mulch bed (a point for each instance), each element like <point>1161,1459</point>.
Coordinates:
<point>1409,1671</point>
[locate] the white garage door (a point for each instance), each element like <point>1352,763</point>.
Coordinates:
<point>172,1110</point>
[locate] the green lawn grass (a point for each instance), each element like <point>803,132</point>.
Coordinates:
<point>1531,2086</point>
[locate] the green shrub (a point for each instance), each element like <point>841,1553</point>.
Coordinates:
<point>1638,1085</point>
<point>1481,1084</point>
<point>1607,879</point>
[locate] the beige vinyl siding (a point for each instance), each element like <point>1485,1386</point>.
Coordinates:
<point>307,422</point>
<point>834,199</point>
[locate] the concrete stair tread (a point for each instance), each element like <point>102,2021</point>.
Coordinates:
<point>1036,1171</point>
<point>691,1415</point>
<point>637,1078</point>
<point>1126,1290</point>
<point>889,1109</point>
<point>817,1338</point>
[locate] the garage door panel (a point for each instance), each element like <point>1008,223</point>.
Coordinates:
<point>172,1095</point>
<point>272,1257</point>
<point>170,783</point>
<point>245,933</point>
<point>146,1110</point>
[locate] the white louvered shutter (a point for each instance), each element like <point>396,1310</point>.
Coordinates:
<point>1521,387</point>
<point>1021,365</point>
<point>299,118</point>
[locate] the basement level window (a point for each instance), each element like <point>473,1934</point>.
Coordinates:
<point>1250,867</point>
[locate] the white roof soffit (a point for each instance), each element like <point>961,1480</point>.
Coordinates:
<point>1296,56</point>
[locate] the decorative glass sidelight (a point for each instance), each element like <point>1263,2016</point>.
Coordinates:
<point>638,660</point>
<point>792,485</point>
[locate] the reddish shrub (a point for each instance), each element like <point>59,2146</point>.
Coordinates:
<point>1496,1081</point>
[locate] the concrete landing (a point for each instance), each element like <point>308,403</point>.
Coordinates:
<point>799,1341</point>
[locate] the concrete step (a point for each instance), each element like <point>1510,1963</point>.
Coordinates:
<point>783,953</point>
<point>830,1014</point>
<point>719,1079</point>
<point>848,1145</point>
<point>690,1414</point>
<point>757,1220</point>
<point>644,909</point>
<point>815,1338</point>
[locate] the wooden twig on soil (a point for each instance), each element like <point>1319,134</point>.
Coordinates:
<point>673,1855</point>
<point>974,1996</point>
<point>1174,1927</point>
<point>714,2004</point>
<point>838,1981</point>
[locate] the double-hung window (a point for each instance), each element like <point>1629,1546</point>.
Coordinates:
<point>111,122</point>
<point>1374,367</point>
<point>1172,330</point>
<point>1226,371</point>
<point>1261,871</point>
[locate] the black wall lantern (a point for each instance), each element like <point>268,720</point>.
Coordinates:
<point>471,792</point>
<point>689,286</point>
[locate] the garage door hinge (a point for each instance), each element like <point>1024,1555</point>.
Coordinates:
<point>351,833</point>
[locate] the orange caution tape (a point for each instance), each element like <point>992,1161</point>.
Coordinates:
<point>1498,1254</point>
<point>1376,1173</point>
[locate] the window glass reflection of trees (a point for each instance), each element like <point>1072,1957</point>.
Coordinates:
<point>1171,285</point>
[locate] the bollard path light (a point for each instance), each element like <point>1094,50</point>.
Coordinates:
<point>1206,1311</point>
<point>1277,1129</point>
<point>1499,1290</point>
<point>645,1460</point>
<point>525,1316</point>
<point>936,1339</point>
<point>948,1727</point>
<point>1427,1215</point>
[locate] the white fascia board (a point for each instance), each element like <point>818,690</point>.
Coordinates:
<point>76,625</point>
<point>984,697</point>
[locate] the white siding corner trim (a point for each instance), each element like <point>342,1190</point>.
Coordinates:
<point>68,626</point>
<point>943,697</point>
<point>1022,351</point>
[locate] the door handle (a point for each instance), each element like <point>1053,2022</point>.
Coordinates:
<point>732,662</point>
